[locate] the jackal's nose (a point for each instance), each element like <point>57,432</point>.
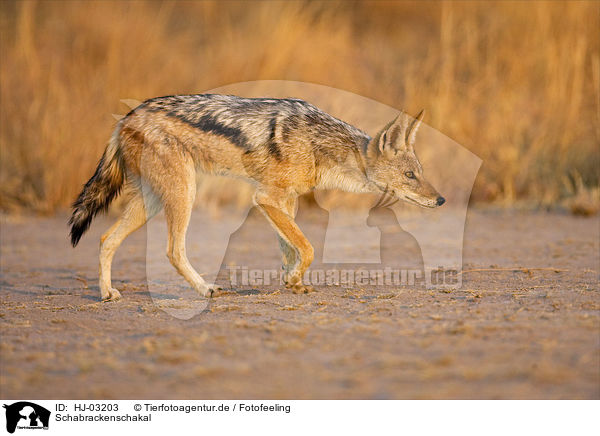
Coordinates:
<point>440,200</point>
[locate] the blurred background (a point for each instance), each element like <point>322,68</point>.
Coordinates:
<point>516,83</point>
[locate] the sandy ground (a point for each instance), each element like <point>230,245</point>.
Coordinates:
<point>523,333</point>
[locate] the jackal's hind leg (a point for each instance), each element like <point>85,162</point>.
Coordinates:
<point>135,215</point>
<point>178,209</point>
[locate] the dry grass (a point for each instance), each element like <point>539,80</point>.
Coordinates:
<point>582,200</point>
<point>518,84</point>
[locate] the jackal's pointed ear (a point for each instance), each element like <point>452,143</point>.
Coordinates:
<point>388,137</point>
<point>411,133</point>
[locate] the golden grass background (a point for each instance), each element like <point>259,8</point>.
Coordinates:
<point>517,83</point>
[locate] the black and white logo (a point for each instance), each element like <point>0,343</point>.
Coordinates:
<point>26,415</point>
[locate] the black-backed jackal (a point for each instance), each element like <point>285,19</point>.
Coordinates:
<point>285,147</point>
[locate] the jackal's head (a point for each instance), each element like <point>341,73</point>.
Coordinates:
<point>393,166</point>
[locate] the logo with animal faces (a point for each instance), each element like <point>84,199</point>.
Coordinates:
<point>25,415</point>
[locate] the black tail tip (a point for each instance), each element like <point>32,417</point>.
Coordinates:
<point>75,237</point>
<point>78,228</point>
<point>75,240</point>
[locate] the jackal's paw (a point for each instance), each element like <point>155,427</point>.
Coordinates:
<point>291,280</point>
<point>299,288</point>
<point>212,290</point>
<point>112,295</point>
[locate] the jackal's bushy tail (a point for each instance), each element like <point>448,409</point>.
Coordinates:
<point>99,191</point>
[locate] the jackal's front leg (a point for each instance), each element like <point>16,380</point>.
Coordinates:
<point>297,251</point>
<point>288,256</point>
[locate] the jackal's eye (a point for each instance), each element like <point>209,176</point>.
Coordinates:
<point>410,174</point>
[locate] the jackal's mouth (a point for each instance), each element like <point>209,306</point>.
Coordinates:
<point>413,201</point>
<point>389,197</point>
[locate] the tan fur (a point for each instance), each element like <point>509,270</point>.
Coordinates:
<point>284,147</point>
